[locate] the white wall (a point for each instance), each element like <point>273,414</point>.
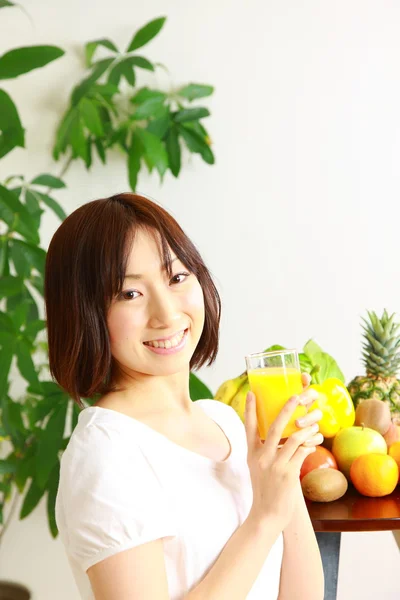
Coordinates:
<point>298,219</point>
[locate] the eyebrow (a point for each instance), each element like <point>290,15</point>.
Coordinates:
<point>139,276</point>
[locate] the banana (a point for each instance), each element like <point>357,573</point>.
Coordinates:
<point>238,402</point>
<point>229,388</point>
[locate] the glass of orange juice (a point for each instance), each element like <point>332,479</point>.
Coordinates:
<point>274,377</point>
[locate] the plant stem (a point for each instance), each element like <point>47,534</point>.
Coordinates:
<point>62,173</point>
<point>10,515</point>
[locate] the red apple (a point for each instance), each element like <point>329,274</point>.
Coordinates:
<point>319,459</point>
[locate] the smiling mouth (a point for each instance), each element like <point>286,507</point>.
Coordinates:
<point>170,343</point>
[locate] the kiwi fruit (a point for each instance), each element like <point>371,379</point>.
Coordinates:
<point>324,485</point>
<point>374,414</point>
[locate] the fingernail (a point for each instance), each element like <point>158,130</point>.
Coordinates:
<point>249,398</point>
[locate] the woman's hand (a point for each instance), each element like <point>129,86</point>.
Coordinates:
<point>275,471</point>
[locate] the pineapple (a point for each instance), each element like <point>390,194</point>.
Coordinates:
<point>381,352</point>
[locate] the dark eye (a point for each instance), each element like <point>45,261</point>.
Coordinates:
<point>123,295</point>
<point>183,274</point>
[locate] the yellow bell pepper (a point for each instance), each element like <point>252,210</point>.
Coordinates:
<point>336,405</point>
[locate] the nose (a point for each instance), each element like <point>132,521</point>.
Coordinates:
<point>163,311</point>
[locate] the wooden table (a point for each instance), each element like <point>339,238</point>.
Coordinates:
<point>352,512</point>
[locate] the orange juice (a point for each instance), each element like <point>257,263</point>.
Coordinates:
<point>273,386</point>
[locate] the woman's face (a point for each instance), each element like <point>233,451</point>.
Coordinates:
<point>153,307</point>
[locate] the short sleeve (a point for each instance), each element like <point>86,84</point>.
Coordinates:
<point>110,495</point>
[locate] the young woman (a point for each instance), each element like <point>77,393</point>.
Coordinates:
<point>162,498</point>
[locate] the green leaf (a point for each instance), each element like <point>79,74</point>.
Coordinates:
<point>6,324</point>
<point>6,356</point>
<point>22,60</point>
<point>197,389</point>
<point>327,366</point>
<point>21,264</point>
<point>25,469</point>
<point>77,139</point>
<point>274,348</point>
<point>91,117</point>
<point>146,94</point>
<point>50,443</point>
<point>48,181</point>
<point>196,144</point>
<point>105,90</point>
<point>10,285</point>
<point>141,62</point>
<point>154,149</point>
<point>153,107</point>
<point>160,126</point>
<point>100,151</point>
<point>135,153</point>
<point>146,33</point>
<point>19,314</point>
<point>52,488</point>
<point>34,255</point>
<point>12,133</point>
<point>306,365</point>
<point>33,206</point>
<point>191,114</point>
<point>16,216</point>
<point>5,3</point>
<point>25,363</point>
<point>98,69</point>
<point>90,48</point>
<point>33,327</point>
<point>128,73</point>
<point>4,253</point>
<point>173,151</point>
<point>7,467</point>
<point>311,348</point>
<point>55,207</point>
<point>62,134</point>
<point>31,500</point>
<point>88,160</point>
<point>124,68</point>
<point>195,90</point>
<point>198,128</point>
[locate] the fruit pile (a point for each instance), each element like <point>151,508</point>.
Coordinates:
<point>361,422</point>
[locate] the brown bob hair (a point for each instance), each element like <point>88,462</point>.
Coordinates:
<point>85,269</point>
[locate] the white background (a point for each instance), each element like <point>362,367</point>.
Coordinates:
<point>298,220</point>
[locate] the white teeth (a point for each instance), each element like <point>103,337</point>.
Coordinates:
<point>172,343</point>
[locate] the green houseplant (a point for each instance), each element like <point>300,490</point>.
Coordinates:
<point>149,131</point>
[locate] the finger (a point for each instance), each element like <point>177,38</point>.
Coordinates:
<point>306,379</point>
<point>299,457</point>
<point>312,417</point>
<point>275,432</point>
<point>308,397</point>
<point>250,421</point>
<point>294,441</point>
<point>315,440</point>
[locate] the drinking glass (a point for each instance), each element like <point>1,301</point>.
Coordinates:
<point>274,377</point>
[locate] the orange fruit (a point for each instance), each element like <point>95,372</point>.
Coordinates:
<point>374,474</point>
<point>394,452</point>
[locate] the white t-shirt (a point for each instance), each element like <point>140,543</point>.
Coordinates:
<point>123,484</point>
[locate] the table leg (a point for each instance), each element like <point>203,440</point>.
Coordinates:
<point>396,535</point>
<point>329,547</point>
